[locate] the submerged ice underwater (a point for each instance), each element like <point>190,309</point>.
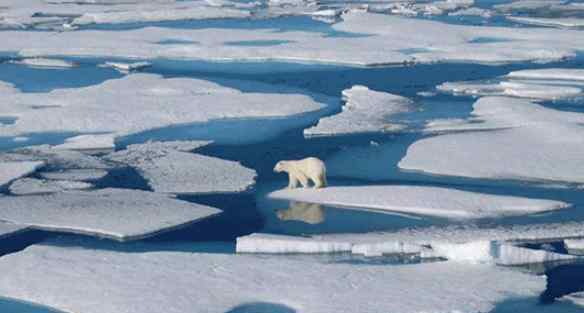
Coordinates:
<point>280,156</point>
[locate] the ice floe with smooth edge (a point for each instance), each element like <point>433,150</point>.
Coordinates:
<point>89,143</point>
<point>88,174</point>
<point>432,201</point>
<point>531,142</point>
<point>29,186</point>
<point>58,158</point>
<point>544,84</point>
<point>365,111</point>
<point>552,22</point>
<point>266,243</point>
<point>120,214</point>
<point>386,37</point>
<point>169,167</point>
<point>45,63</point>
<point>11,170</point>
<point>84,274</point>
<point>140,102</point>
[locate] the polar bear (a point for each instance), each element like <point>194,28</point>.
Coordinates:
<point>303,171</point>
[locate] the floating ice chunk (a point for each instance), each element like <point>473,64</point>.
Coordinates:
<point>128,67</point>
<point>75,174</point>
<point>473,12</point>
<point>121,214</point>
<point>513,255</point>
<point>266,243</point>
<point>383,248</point>
<point>550,74</point>
<point>553,22</point>
<point>29,186</point>
<point>169,168</point>
<point>140,102</point>
<point>574,246</point>
<point>7,230</point>
<point>535,143</point>
<point>10,171</point>
<point>431,201</point>
<point>365,111</point>
<point>84,274</point>
<point>89,143</point>
<point>46,63</point>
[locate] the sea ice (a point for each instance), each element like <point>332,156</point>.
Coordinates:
<point>93,280</point>
<point>75,174</point>
<point>574,246</point>
<point>10,171</point>
<point>127,67</point>
<point>140,102</point>
<point>7,230</point>
<point>553,22</point>
<point>531,142</point>
<point>120,214</point>
<point>28,186</point>
<point>169,167</point>
<point>365,111</point>
<point>432,201</point>
<point>266,243</point>
<point>45,63</point>
<point>89,143</point>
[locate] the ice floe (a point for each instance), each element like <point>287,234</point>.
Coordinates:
<point>365,111</point>
<point>140,102</point>
<point>28,186</point>
<point>75,174</point>
<point>127,67</point>
<point>169,167</point>
<point>528,142</point>
<point>265,243</point>
<point>553,22</point>
<point>89,143</point>
<point>382,40</point>
<point>432,201</point>
<point>234,280</point>
<point>544,84</point>
<point>574,246</point>
<point>121,214</point>
<point>10,171</point>
<point>55,158</point>
<point>45,63</point>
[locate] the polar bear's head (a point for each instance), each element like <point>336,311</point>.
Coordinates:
<point>280,167</point>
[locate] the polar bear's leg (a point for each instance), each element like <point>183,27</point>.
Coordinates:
<point>293,181</point>
<point>303,180</point>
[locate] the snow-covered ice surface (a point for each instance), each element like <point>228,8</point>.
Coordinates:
<point>526,141</point>
<point>365,111</point>
<point>542,84</point>
<point>90,143</point>
<point>48,63</point>
<point>376,39</point>
<point>422,200</point>
<point>169,167</point>
<point>554,22</point>
<point>10,171</point>
<point>25,186</point>
<point>120,214</point>
<point>86,273</point>
<point>141,102</point>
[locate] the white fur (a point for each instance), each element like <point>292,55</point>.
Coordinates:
<point>303,171</point>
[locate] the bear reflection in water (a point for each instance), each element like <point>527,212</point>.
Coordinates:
<point>309,213</point>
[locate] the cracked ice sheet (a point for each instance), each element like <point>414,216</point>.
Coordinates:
<point>140,102</point>
<point>365,111</point>
<point>525,141</point>
<point>389,37</point>
<point>430,201</point>
<point>543,84</point>
<point>137,283</point>
<point>169,167</point>
<point>120,214</point>
<point>11,170</point>
<point>52,15</point>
